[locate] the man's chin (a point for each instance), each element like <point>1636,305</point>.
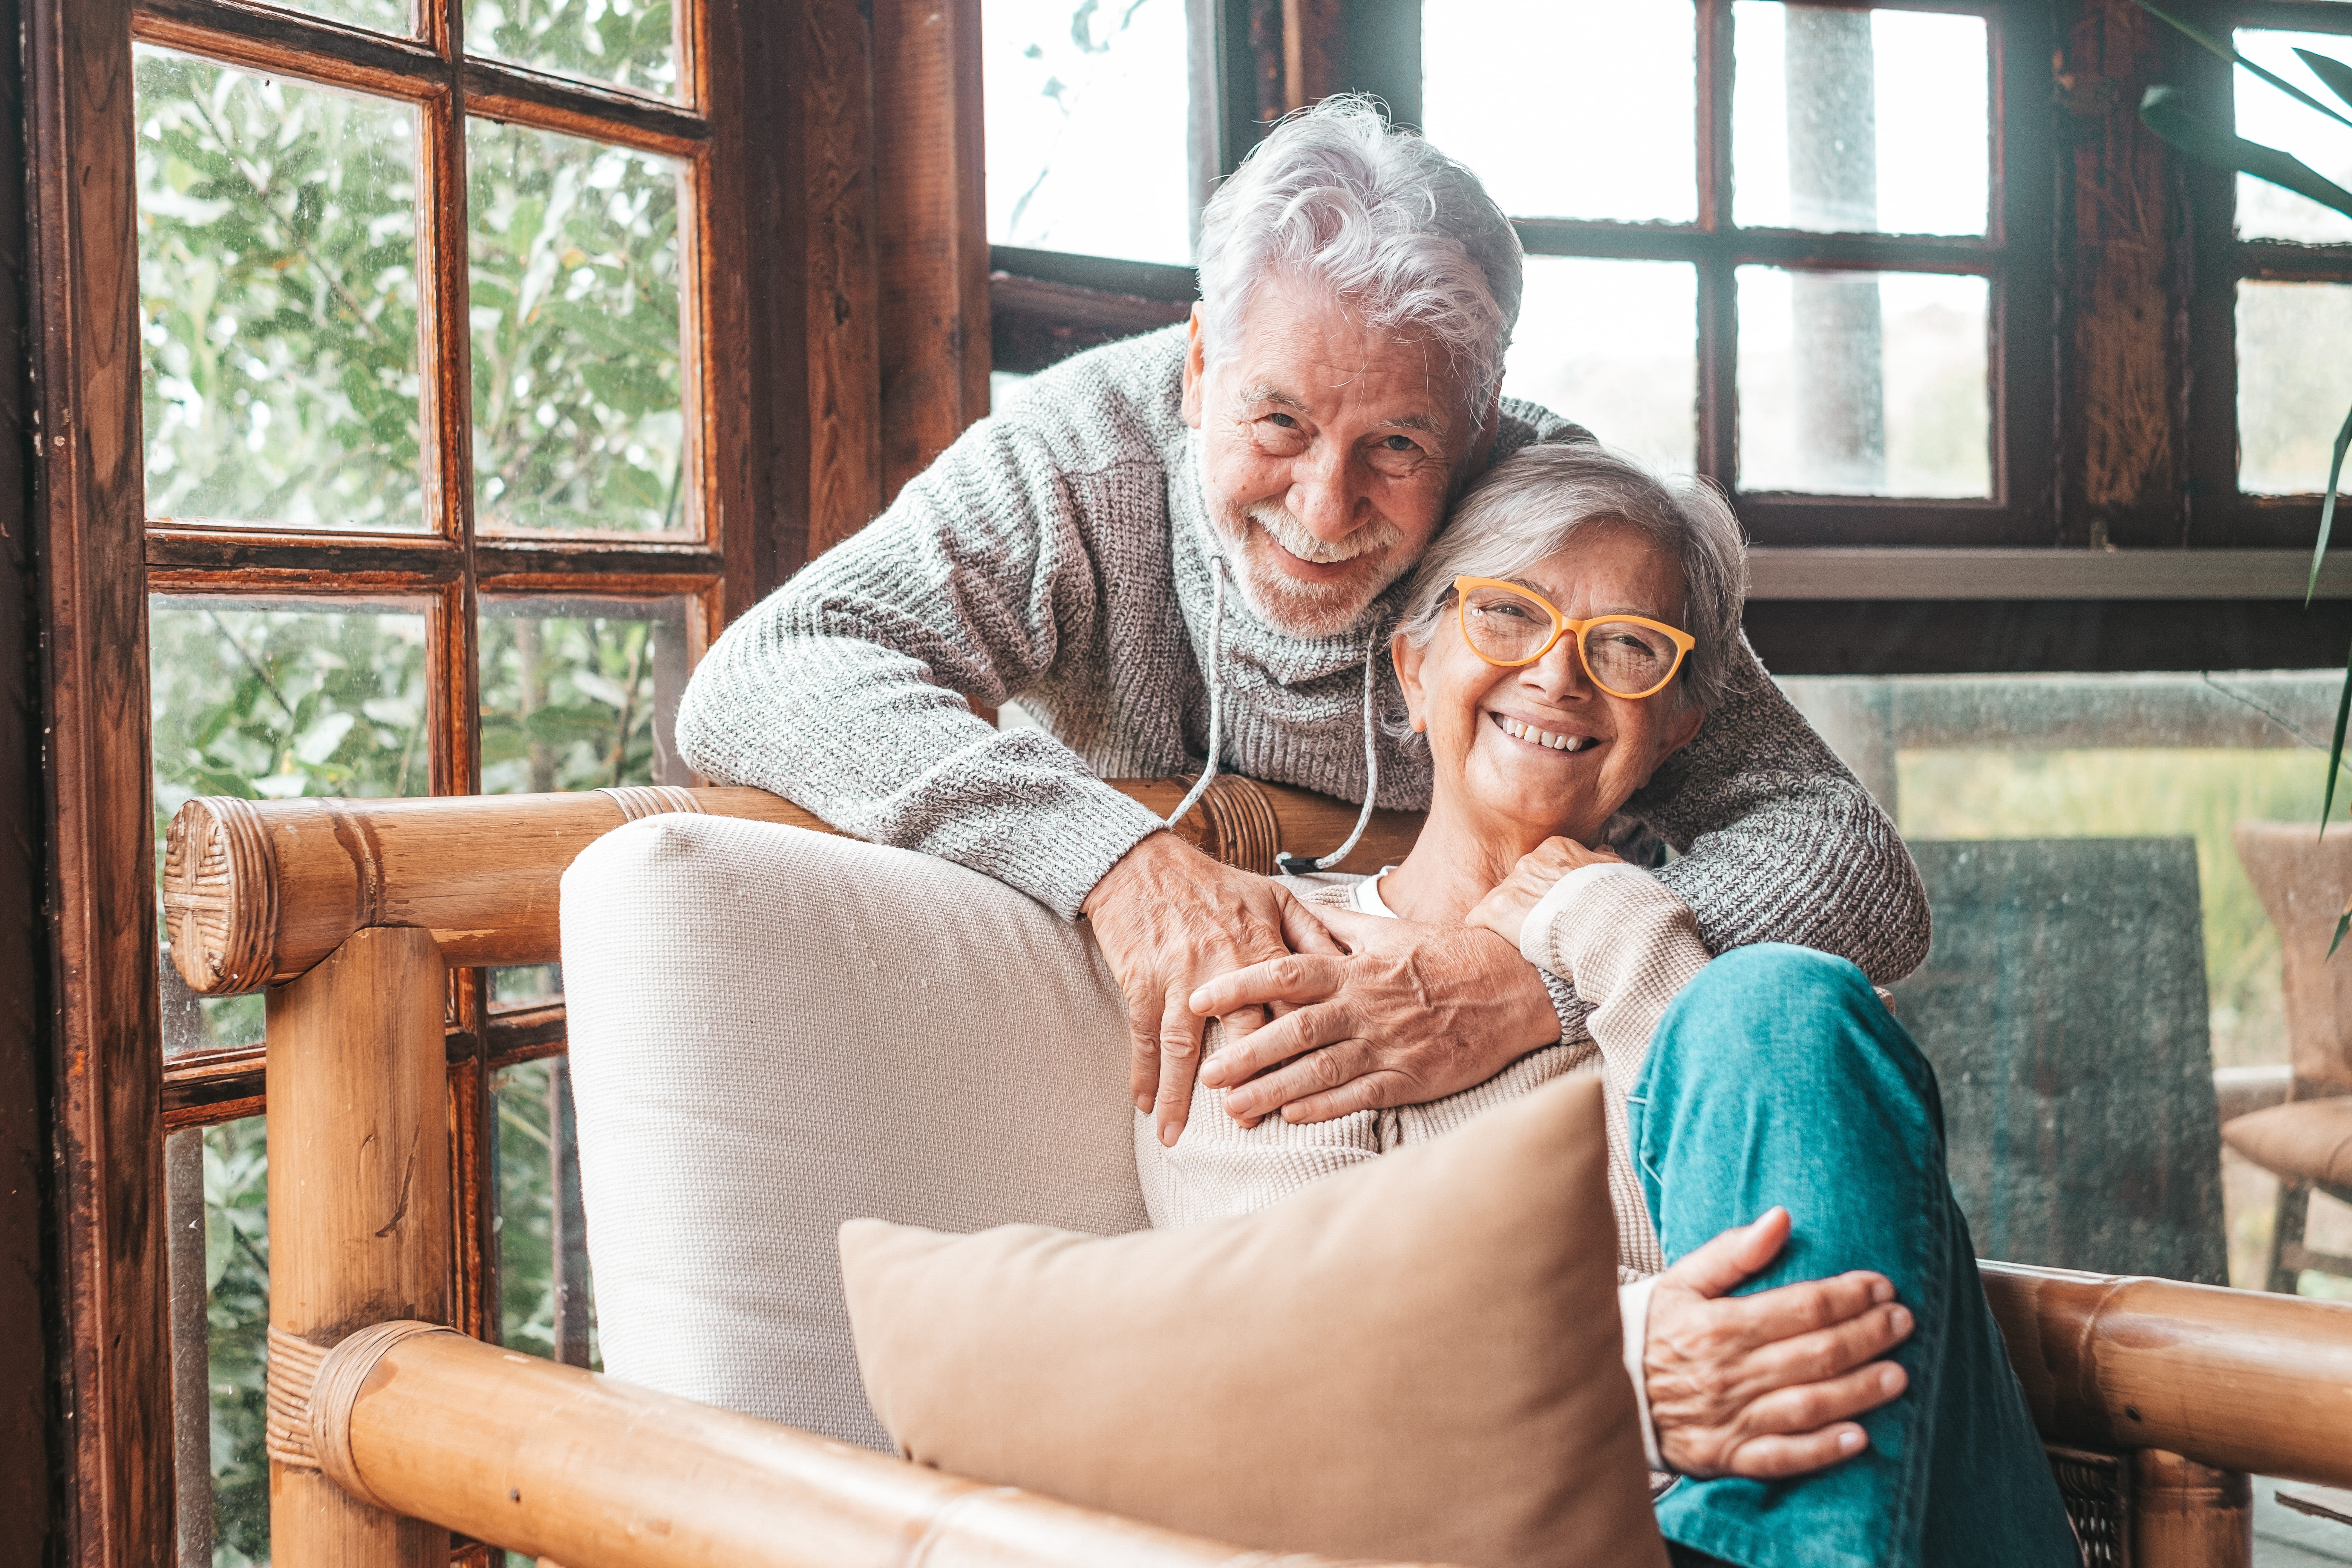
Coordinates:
<point>1309,609</point>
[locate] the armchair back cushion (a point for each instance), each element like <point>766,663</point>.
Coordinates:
<point>1416,1358</point>
<point>772,1031</point>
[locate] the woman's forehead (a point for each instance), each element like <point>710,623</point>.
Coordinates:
<point>1610,560</point>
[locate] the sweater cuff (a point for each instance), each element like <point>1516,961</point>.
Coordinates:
<point>1535,935</point>
<point>1634,1317</point>
<point>1086,840</point>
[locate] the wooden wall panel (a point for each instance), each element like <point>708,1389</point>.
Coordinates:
<point>26,1412</point>
<point>1311,50</point>
<point>933,232</point>
<point>844,335</point>
<point>2120,245</point>
<point>109,1064</point>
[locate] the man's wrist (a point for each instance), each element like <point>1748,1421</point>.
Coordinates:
<point>1136,862</point>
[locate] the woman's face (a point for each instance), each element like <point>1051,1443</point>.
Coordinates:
<point>1486,723</point>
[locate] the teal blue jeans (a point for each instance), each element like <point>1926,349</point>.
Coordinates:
<point>1778,1076</point>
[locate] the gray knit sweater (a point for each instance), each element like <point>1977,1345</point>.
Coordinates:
<point>1059,553</point>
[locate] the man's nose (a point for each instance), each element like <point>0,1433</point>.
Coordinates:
<point>1325,492</point>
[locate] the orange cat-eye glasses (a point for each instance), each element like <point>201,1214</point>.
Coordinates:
<point>1626,656</point>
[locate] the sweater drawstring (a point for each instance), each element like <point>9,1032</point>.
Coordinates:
<point>1217,683</point>
<point>1299,865</point>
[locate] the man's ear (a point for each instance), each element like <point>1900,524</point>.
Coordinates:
<point>1195,367</point>
<point>1481,445</point>
<point>1408,659</point>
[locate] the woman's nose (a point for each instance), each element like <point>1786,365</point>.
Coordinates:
<point>1559,675</point>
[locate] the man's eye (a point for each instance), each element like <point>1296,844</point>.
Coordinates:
<point>1401,444</point>
<point>1283,420</point>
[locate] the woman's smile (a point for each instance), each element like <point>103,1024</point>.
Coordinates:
<point>1551,736</point>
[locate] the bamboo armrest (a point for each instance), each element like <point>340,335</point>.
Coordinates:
<point>584,1470</point>
<point>257,892</point>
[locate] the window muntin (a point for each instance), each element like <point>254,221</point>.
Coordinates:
<point>1614,90</point>
<point>278,283</point>
<point>1087,110</point>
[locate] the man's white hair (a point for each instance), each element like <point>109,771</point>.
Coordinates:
<point>1403,234</point>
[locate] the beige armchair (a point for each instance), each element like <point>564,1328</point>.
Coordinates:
<point>2159,1397</point>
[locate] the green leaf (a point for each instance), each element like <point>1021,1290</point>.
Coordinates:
<point>2330,71</point>
<point>2162,111</point>
<point>2327,509</point>
<point>2219,45</point>
<point>2336,749</point>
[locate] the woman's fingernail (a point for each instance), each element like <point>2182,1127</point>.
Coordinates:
<point>1168,1136</point>
<point>1849,1441</point>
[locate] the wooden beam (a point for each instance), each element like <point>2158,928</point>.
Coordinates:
<point>845,293</point>
<point>359,1218</point>
<point>1311,43</point>
<point>107,1067</point>
<point>933,234</point>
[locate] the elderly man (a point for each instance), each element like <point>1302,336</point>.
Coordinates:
<point>1177,552</point>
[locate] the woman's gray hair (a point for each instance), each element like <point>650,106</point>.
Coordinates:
<point>1338,197</point>
<point>1531,506</point>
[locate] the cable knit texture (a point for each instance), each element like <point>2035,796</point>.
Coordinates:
<point>1060,553</point>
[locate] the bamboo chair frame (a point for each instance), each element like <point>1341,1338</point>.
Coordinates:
<point>386,1429</point>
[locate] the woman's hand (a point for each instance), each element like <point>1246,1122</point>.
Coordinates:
<point>1411,1014</point>
<point>1504,910</point>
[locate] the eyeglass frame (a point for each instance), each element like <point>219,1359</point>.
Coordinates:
<point>1563,626</point>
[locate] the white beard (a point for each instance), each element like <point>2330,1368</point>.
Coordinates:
<point>1302,609</point>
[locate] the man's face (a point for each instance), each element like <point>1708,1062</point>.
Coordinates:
<point>1328,452</point>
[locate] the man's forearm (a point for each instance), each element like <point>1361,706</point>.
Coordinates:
<point>851,730</point>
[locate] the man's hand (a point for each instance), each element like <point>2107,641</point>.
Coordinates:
<point>1169,918</point>
<point>1504,910</point>
<point>1766,1385</point>
<point>1411,1014</point>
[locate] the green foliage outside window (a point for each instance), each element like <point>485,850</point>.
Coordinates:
<point>236,1274</point>
<point>624,41</point>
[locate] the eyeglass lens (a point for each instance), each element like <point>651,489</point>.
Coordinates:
<point>1623,656</point>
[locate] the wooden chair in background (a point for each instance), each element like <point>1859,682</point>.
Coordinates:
<point>2304,880</point>
<point>387,1428</point>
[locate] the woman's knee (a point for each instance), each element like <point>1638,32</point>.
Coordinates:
<point>1775,1004</point>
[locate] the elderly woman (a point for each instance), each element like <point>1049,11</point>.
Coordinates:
<point>1565,637</point>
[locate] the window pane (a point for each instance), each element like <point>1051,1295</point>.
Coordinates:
<point>1530,92</point>
<point>2073,757</point>
<point>1613,345</point>
<point>383,15</point>
<point>216,1198</point>
<point>277,297</point>
<point>547,1304</point>
<point>631,42</point>
<point>1088,127</point>
<point>579,413</point>
<point>2267,115</point>
<point>1825,99</point>
<point>1863,384</point>
<point>577,694</point>
<point>2294,382</point>
<point>255,698</point>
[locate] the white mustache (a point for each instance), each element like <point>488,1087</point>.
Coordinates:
<point>1295,537</point>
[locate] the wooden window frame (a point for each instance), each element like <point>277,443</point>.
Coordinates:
<point>111,1098</point>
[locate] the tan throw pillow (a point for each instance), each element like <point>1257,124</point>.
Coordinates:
<point>1417,1358</point>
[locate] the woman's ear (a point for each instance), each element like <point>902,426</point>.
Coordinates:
<point>1408,667</point>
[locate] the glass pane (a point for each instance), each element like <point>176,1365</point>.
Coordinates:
<point>547,1304</point>
<point>2071,757</point>
<point>217,1184</point>
<point>278,297</point>
<point>1088,127</point>
<point>1864,382</point>
<point>579,413</point>
<point>1613,345</point>
<point>1515,88</point>
<point>259,699</point>
<point>2294,380</point>
<point>383,15</point>
<point>2267,115</point>
<point>631,42</point>
<point>1860,120</point>
<point>577,694</point>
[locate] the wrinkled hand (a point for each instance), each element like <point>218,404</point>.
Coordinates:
<point>1169,918</point>
<point>1504,910</point>
<point>1409,1014</point>
<point>1766,1385</point>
